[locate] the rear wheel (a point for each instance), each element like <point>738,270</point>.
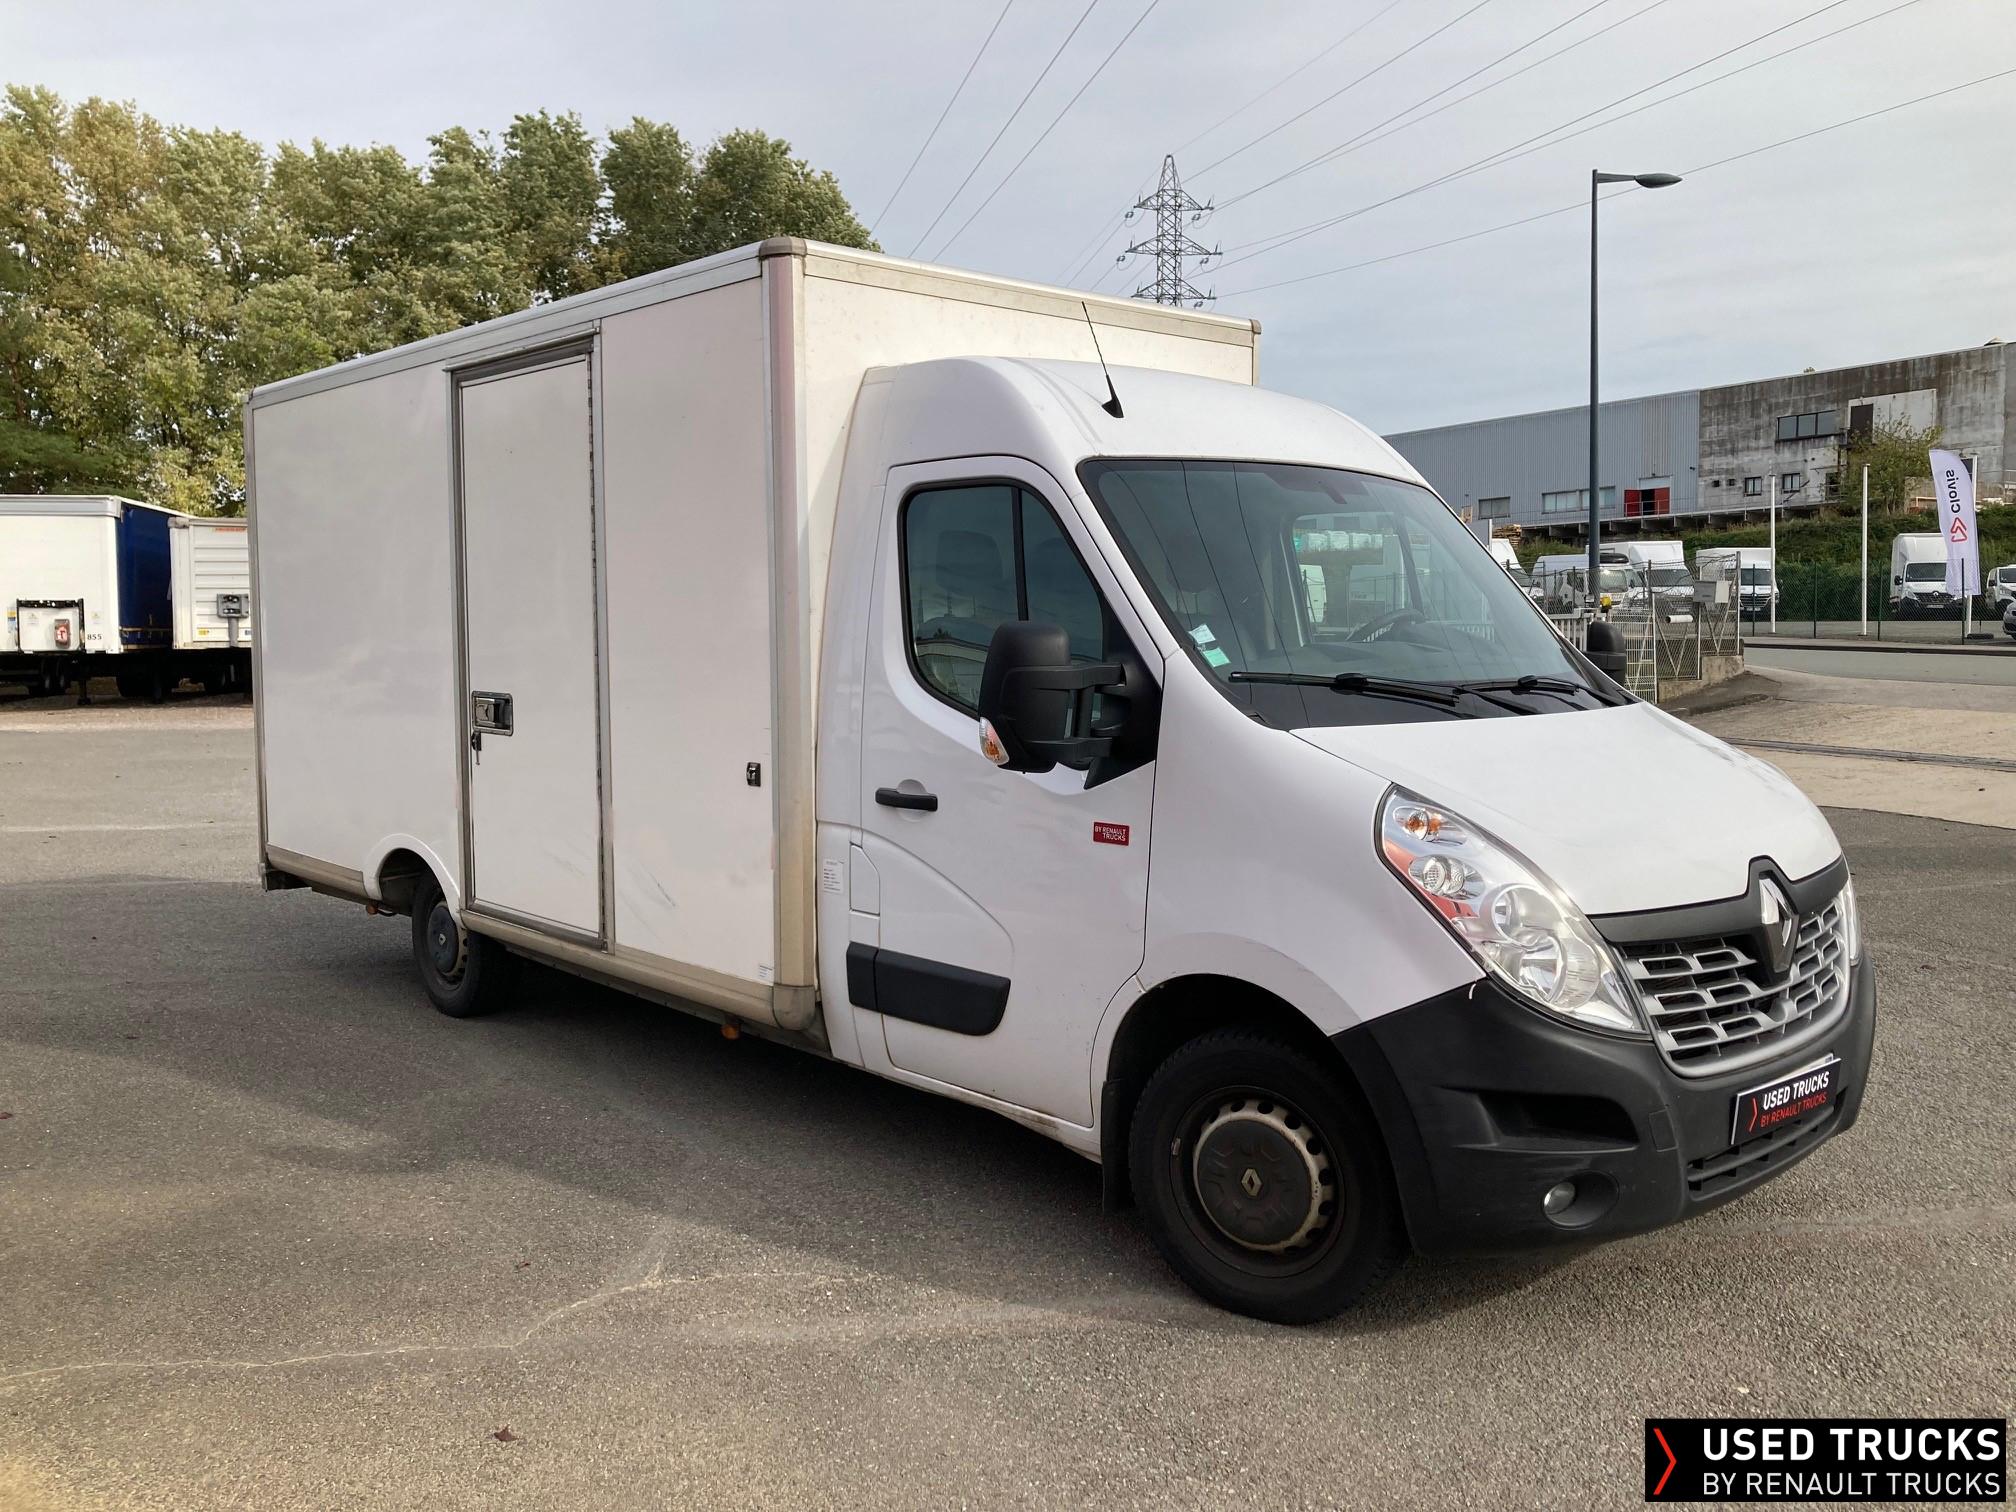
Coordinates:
<point>465,974</point>
<point>1263,1179</point>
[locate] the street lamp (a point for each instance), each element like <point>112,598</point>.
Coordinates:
<point>1596,181</point>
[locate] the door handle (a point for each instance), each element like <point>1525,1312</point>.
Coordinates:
<point>897,798</point>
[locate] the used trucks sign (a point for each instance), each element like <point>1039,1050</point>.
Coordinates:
<point>1954,486</point>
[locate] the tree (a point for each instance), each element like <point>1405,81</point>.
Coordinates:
<point>150,275</point>
<point>751,187</point>
<point>552,200</point>
<point>648,171</point>
<point>1896,456</point>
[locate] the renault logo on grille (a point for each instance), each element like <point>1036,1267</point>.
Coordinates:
<point>1781,927</point>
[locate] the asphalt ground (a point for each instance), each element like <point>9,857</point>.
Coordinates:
<point>273,1234</point>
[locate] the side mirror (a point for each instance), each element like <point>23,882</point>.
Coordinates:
<point>1606,649</point>
<point>1036,704</point>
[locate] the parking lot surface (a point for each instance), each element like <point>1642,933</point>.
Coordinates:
<point>274,1234</point>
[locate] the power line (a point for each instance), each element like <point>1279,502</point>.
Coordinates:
<point>1347,88</point>
<point>1077,261</point>
<point>1579,204</point>
<point>1297,72</point>
<point>1091,6</point>
<point>1076,266</point>
<point>1346,145</point>
<point>945,245</point>
<point>1535,143</point>
<point>932,136</point>
<point>1354,144</point>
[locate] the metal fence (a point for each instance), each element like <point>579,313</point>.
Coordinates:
<point>1825,599</point>
<point>1668,625</point>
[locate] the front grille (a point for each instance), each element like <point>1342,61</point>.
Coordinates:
<point>1713,1011</point>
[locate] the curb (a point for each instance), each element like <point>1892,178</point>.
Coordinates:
<point>1895,648</point>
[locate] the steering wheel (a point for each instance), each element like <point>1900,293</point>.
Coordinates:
<point>1373,629</point>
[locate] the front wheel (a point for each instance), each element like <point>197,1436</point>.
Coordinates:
<point>1263,1179</point>
<point>465,974</point>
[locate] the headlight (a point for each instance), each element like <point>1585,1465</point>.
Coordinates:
<point>1519,924</point>
<point>1851,921</point>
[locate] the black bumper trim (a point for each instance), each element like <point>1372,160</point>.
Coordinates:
<point>1487,1103</point>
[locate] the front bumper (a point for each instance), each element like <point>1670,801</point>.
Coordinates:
<point>1486,1104</point>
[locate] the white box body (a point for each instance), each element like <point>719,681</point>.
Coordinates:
<point>704,476</point>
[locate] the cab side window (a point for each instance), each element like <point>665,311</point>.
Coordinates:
<point>976,556</point>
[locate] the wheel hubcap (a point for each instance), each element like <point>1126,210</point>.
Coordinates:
<point>1262,1175</point>
<point>444,942</point>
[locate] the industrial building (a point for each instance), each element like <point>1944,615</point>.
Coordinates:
<point>1713,454</point>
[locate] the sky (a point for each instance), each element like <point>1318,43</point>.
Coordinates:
<point>1889,238</point>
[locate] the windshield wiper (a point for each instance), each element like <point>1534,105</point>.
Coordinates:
<point>1531,684</point>
<point>1359,682</point>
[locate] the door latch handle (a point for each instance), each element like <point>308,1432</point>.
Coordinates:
<point>897,798</point>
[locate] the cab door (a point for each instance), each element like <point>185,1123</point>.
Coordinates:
<point>1012,905</point>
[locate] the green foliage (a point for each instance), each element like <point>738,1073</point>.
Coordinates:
<point>151,275</point>
<point>1896,456</point>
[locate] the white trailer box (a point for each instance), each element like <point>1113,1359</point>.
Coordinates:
<point>605,521</point>
<point>210,584</point>
<point>82,573</point>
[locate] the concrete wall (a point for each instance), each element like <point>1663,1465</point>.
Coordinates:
<point>1644,441</point>
<point>1967,393</point>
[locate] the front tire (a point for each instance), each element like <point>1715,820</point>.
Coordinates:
<point>1263,1179</point>
<point>465,974</point>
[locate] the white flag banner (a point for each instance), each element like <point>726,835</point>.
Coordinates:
<point>1953,485</point>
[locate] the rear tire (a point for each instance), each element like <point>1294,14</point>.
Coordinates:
<point>1263,1179</point>
<point>466,975</point>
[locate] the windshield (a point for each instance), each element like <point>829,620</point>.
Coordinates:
<point>1757,577</point>
<point>1272,569</point>
<point>1669,577</point>
<point>1519,575</point>
<point>1925,572</point>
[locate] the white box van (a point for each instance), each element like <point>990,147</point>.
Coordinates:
<point>1918,575</point>
<point>1562,577</point>
<point>815,641</point>
<point>1657,577</point>
<point>1751,568</point>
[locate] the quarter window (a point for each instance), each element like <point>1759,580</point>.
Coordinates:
<point>977,556</point>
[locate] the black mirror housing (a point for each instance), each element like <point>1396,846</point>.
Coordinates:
<point>1037,701</point>
<point>1605,649</point>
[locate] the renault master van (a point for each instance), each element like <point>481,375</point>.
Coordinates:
<point>991,688</point>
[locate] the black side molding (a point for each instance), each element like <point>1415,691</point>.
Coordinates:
<point>925,991</point>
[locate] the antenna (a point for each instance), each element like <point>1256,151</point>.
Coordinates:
<point>1112,404</point>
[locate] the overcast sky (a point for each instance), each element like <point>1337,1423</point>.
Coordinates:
<point>1886,239</point>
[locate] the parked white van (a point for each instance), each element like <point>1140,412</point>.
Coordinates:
<point>1752,569</point>
<point>821,643</point>
<point>1658,577</point>
<point>1918,574</point>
